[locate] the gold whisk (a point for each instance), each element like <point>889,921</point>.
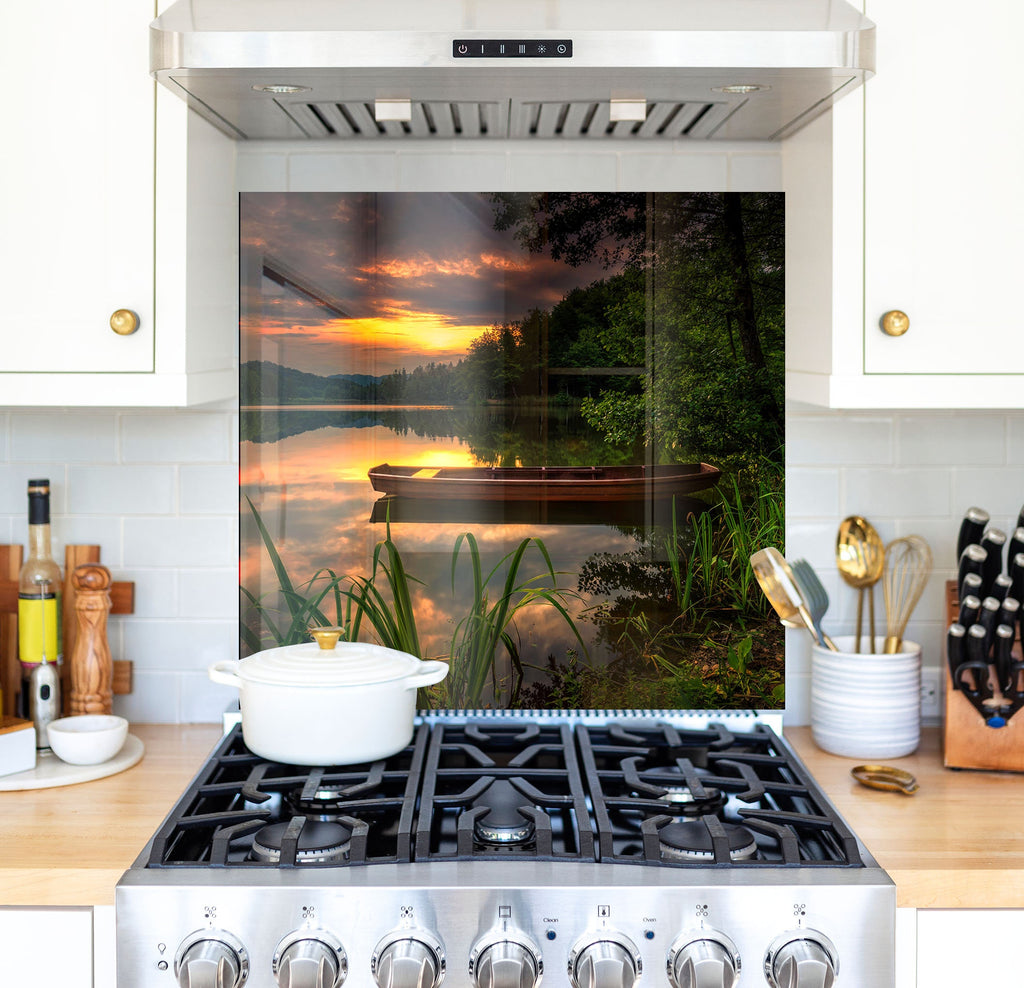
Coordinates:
<point>908,564</point>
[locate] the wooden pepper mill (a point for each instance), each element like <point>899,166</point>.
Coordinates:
<point>92,670</point>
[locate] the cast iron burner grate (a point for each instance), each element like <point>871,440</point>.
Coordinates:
<point>237,794</point>
<point>638,773</point>
<point>622,792</point>
<point>503,789</point>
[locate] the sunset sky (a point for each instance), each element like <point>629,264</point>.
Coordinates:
<point>411,277</point>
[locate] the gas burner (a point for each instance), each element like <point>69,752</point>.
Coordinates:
<point>326,803</point>
<point>682,802</point>
<point>691,841</point>
<point>502,824</point>
<point>319,843</point>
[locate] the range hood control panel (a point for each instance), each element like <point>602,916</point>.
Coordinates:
<point>512,48</point>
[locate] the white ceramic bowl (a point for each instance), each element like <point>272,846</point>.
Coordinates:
<point>88,739</point>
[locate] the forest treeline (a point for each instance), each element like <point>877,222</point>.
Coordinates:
<point>692,320</point>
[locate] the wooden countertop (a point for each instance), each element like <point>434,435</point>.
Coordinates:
<point>68,846</point>
<point>958,843</point>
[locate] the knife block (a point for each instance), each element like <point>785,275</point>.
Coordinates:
<point>967,741</point>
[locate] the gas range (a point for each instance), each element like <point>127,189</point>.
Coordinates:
<point>587,849</point>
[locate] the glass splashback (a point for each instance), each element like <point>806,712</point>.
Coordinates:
<point>535,435</point>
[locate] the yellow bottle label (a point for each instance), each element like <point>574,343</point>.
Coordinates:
<point>38,627</point>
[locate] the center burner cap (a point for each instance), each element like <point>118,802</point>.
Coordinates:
<point>319,842</point>
<point>502,823</point>
<point>691,841</point>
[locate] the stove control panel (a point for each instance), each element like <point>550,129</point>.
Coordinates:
<point>466,935</point>
<point>709,960</point>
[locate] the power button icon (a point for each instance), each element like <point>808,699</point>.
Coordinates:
<point>463,49</point>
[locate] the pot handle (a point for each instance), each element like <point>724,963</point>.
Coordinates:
<point>224,673</point>
<point>430,672</point>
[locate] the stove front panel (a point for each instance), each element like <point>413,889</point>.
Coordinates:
<point>555,920</point>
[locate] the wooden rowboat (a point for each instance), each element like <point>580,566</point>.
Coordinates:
<point>597,483</point>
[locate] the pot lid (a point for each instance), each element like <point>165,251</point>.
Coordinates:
<point>347,664</point>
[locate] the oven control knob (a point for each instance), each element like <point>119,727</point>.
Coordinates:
<point>310,959</point>
<point>211,959</point>
<point>705,960</point>
<point>608,960</point>
<point>409,959</point>
<point>801,959</point>
<point>510,961</point>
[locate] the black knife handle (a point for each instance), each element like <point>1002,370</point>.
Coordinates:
<point>1001,587</point>
<point>988,618</point>
<point>970,607</point>
<point>1009,612</point>
<point>1016,545</point>
<point>1016,570</point>
<point>977,661</point>
<point>956,651</point>
<point>972,560</point>
<point>993,542</point>
<point>1001,657</point>
<point>971,528</point>
<point>971,587</point>
<point>1020,517</point>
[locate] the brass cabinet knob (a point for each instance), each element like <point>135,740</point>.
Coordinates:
<point>895,323</point>
<point>124,322</point>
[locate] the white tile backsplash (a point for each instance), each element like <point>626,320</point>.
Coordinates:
<point>122,489</point>
<point>84,437</point>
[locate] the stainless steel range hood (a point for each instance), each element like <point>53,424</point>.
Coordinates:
<point>497,69</point>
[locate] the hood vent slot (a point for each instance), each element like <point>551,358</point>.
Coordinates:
<point>581,119</point>
<point>437,119</point>
<point>572,120</point>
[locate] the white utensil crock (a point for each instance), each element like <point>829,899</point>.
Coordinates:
<point>304,705</point>
<point>863,705</point>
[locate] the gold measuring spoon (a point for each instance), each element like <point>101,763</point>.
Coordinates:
<point>860,559</point>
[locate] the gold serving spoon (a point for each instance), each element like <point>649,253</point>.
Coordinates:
<point>860,559</point>
<point>776,580</point>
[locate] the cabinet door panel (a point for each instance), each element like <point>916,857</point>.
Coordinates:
<point>944,149</point>
<point>43,946</point>
<point>76,187</point>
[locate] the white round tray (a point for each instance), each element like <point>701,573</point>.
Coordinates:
<point>50,771</point>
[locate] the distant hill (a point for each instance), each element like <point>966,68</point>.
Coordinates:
<point>262,382</point>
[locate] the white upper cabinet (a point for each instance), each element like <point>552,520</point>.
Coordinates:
<point>98,216</point>
<point>904,199</point>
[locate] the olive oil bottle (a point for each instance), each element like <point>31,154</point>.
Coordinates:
<point>39,594</point>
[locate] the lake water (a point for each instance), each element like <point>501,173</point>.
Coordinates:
<point>305,470</point>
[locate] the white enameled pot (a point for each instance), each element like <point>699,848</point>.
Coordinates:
<point>305,705</point>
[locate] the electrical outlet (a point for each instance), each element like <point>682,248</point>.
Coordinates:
<point>931,694</point>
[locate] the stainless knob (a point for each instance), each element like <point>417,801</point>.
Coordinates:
<point>506,964</point>
<point>805,959</point>
<point>605,964</point>
<point>707,962</point>
<point>407,962</point>
<point>309,962</point>
<point>211,959</point>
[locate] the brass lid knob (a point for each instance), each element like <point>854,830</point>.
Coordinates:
<point>124,322</point>
<point>895,323</point>
<point>326,638</point>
